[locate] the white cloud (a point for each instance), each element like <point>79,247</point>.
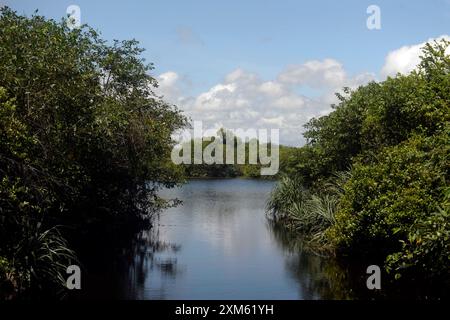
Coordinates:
<point>272,88</point>
<point>291,101</point>
<point>245,100</point>
<point>168,79</point>
<point>274,121</point>
<point>216,98</point>
<point>315,74</point>
<point>405,59</point>
<point>168,86</point>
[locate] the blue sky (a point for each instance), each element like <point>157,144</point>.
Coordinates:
<point>201,42</point>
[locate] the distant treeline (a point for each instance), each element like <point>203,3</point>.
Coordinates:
<point>248,166</point>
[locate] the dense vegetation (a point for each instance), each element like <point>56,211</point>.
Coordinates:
<point>246,168</point>
<point>83,140</point>
<point>373,179</point>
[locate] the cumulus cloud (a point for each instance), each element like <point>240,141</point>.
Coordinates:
<point>405,59</point>
<point>315,73</point>
<point>168,84</point>
<point>245,100</point>
<point>272,88</point>
<point>172,86</point>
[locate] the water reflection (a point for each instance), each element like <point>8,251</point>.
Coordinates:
<point>125,266</point>
<point>319,277</point>
<point>151,263</point>
<point>217,245</point>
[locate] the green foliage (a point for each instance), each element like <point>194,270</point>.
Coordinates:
<point>306,212</point>
<point>426,250</point>
<point>384,199</point>
<point>394,138</point>
<point>83,139</point>
<point>215,170</point>
<point>235,169</point>
<point>287,193</point>
<point>378,115</point>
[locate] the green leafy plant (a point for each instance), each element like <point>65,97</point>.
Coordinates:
<point>84,141</point>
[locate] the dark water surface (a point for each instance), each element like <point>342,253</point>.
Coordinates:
<point>217,245</point>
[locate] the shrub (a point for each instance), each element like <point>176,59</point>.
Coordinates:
<point>393,201</point>
<point>83,140</point>
<point>426,251</point>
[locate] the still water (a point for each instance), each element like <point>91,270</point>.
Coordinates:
<point>217,245</point>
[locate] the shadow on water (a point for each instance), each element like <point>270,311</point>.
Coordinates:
<point>119,266</point>
<point>328,278</point>
<point>219,245</point>
<point>319,277</point>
